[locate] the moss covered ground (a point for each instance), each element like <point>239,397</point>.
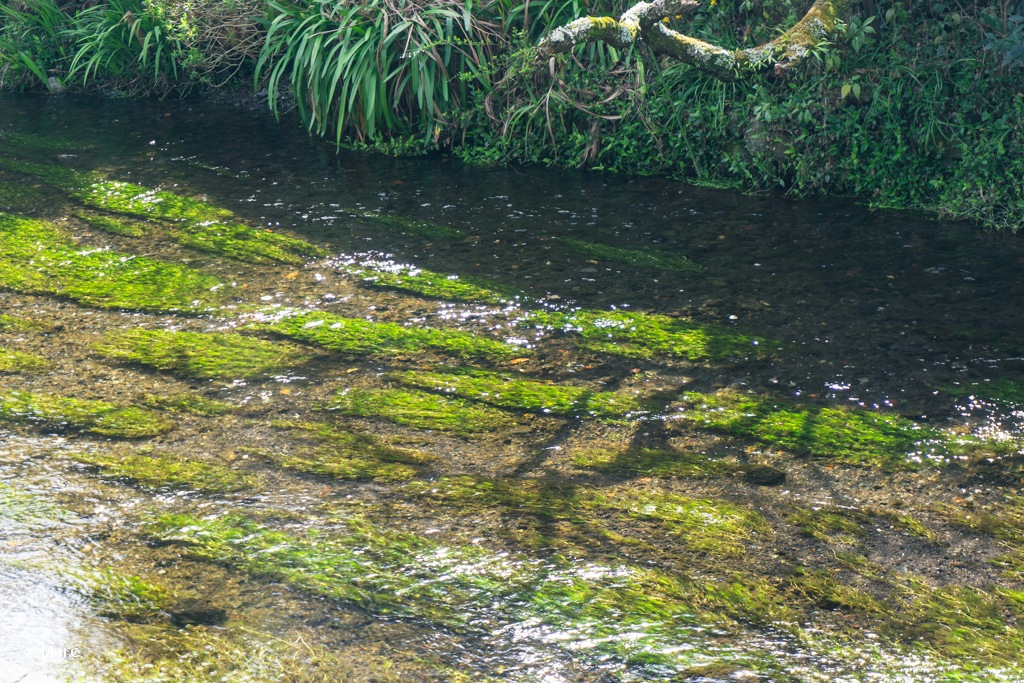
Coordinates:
<point>509,391</point>
<point>649,335</point>
<point>858,437</point>
<point>202,355</point>
<point>633,257</point>
<point>154,468</point>
<point>98,417</point>
<point>421,410</point>
<point>356,336</point>
<point>191,222</point>
<point>333,451</point>
<point>434,285</point>
<point>17,361</point>
<point>40,258</point>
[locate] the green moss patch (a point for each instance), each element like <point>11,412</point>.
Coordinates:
<point>640,259</point>
<point>117,226</point>
<point>421,410</point>
<point>355,336</point>
<point>507,391</point>
<point>648,335</point>
<point>405,226</point>
<point>190,404</point>
<point>18,196</point>
<point>190,222</point>
<point>821,589</point>
<point>16,361</point>
<point>166,470</point>
<point>654,463</point>
<point>854,436</point>
<point>98,417</point>
<point>434,285</point>
<point>336,452</point>
<point>202,354</point>
<point>40,258</point>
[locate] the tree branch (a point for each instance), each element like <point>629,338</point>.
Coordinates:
<point>642,23</point>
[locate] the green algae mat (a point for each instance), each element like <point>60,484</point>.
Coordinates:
<point>648,335</point>
<point>356,336</point>
<point>203,355</point>
<point>190,222</point>
<point>431,284</point>
<point>98,417</point>
<point>37,257</point>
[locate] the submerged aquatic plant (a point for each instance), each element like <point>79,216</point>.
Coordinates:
<point>356,336</point>
<point>17,361</point>
<point>99,417</point>
<point>18,197</point>
<point>429,283</point>
<point>39,258</point>
<point>507,391</point>
<point>118,226</point>
<point>202,354</point>
<point>649,335</point>
<point>190,222</point>
<point>854,436</point>
<point>192,404</point>
<point>336,452</point>
<point>421,410</point>
<point>166,470</point>
<point>641,259</point>
<point>403,225</point>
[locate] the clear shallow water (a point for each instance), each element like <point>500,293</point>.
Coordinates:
<point>883,311</point>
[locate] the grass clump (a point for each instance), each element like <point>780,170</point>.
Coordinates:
<point>40,258</point>
<point>648,335</point>
<point>641,259</point>
<point>355,336</point>
<point>126,597</point>
<point>654,463</point>
<point>434,285</point>
<point>18,196</point>
<point>191,404</point>
<point>339,453</point>
<point>506,391</point>
<point>190,222</point>
<point>405,226</point>
<point>16,361</point>
<point>166,470</point>
<point>117,226</point>
<point>98,417</point>
<point>858,437</point>
<point>421,410</point>
<point>202,355</point>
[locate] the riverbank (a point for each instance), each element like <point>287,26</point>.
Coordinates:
<point>905,108</point>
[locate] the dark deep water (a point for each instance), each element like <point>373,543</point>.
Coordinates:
<point>884,311</point>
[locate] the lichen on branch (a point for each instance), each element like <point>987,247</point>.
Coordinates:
<point>643,23</point>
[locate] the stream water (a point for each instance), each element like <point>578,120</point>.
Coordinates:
<point>815,476</point>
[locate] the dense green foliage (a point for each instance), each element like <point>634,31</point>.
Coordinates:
<point>910,104</point>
